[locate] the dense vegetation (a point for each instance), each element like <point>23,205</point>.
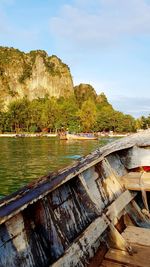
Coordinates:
<point>85,111</point>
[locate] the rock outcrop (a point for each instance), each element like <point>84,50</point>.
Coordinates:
<point>33,74</point>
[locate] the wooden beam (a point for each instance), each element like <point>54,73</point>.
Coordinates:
<point>107,263</point>
<point>139,259</point>
<point>137,235</point>
<point>132,181</point>
<point>113,178</point>
<point>119,204</point>
<point>112,172</point>
<point>99,256</point>
<point>117,241</point>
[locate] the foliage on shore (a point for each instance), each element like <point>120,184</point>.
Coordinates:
<point>84,111</point>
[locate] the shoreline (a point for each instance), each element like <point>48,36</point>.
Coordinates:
<point>21,135</point>
<point>11,135</point>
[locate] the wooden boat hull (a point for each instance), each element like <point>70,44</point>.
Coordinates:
<point>80,137</point>
<point>62,219</point>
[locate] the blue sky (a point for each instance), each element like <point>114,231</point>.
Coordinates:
<point>105,43</point>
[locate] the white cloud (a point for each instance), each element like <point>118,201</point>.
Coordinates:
<point>101,21</point>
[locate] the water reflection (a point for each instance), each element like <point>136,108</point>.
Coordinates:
<point>24,159</point>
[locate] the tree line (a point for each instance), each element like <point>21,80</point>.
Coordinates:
<point>85,112</point>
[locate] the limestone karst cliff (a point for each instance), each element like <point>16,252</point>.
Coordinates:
<point>33,74</point>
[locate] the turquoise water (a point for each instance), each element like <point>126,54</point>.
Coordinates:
<point>24,159</point>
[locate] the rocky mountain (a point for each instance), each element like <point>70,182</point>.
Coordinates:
<point>84,92</point>
<point>33,74</point>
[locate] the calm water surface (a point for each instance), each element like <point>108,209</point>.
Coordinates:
<point>25,159</point>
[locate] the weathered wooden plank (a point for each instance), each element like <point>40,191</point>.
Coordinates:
<point>137,235</point>
<point>70,258</point>
<point>88,178</point>
<point>47,227</point>
<point>83,247</point>
<point>16,230</point>
<point>111,181</point>
<point>107,263</point>
<point>110,189</point>
<point>41,228</point>
<point>109,185</point>
<point>119,204</point>
<point>139,259</point>
<point>136,181</point>
<point>14,246</point>
<point>117,165</point>
<point>90,194</point>
<point>99,255</point>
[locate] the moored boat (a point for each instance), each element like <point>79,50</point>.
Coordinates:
<point>80,136</point>
<point>92,213</point>
<point>51,135</point>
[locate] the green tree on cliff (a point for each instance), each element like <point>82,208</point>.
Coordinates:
<point>19,115</point>
<point>68,118</point>
<point>87,115</point>
<point>50,114</point>
<point>36,108</point>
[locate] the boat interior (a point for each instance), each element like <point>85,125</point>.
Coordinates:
<point>126,242</point>
<point>94,213</point>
